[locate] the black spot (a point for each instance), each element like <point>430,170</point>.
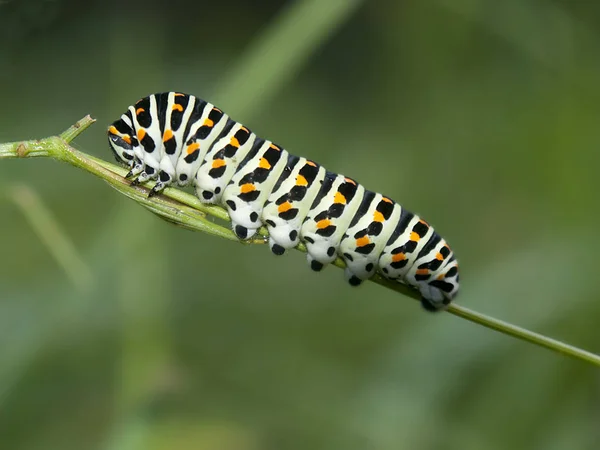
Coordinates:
<point>297,193</point>
<point>327,231</point>
<point>433,264</point>
<point>203,132</point>
<point>192,156</point>
<point>230,151</point>
<point>354,281</point>
<point>249,196</point>
<point>270,223</point>
<point>144,118</point>
<point>385,208</point>
<point>452,272</point>
<point>289,214</point>
<point>231,204</point>
<point>410,246</point>
<point>349,257</point>
<point>309,239</point>
<point>331,251</point>
<point>242,232</point>
<point>254,216</point>
<point>163,176</point>
<point>170,146</point>
<point>421,229</point>
<point>375,228</point>
<point>365,249</point>
<point>293,235</point>
<point>399,264</point>
<point>207,195</point>
<point>149,170</point>
<point>316,265</point>
<point>321,216</point>
<point>336,210</point>
<point>217,172</point>
<point>422,277</point>
<point>259,175</point>
<point>183,177</point>
<point>361,233</point>
<point>441,284</point>
<point>369,267</point>
<point>348,190</point>
<point>278,249</point>
<point>384,270</point>
<point>217,190</point>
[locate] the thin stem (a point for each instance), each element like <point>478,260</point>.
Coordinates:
<point>523,334</point>
<point>77,128</point>
<point>186,210</point>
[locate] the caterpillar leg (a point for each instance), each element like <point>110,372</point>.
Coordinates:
<point>137,167</point>
<point>282,238</point>
<point>243,232</point>
<point>351,278</point>
<point>315,264</point>
<point>432,298</point>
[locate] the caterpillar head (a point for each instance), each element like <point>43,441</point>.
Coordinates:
<point>122,142</point>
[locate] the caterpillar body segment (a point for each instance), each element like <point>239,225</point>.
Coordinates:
<point>178,138</point>
<point>221,162</point>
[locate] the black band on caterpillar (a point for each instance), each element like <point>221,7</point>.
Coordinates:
<point>178,138</point>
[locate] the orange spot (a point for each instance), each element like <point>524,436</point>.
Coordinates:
<point>179,94</point>
<point>208,123</point>
<point>350,180</point>
<point>301,181</point>
<point>113,130</point>
<point>398,257</point>
<point>323,223</point>
<point>139,111</point>
<point>248,187</point>
<point>274,147</point>
<point>361,242</point>
<point>167,135</point>
<point>264,164</point>
<point>234,142</point>
<point>177,107</point>
<point>422,272</point>
<point>284,207</point>
<point>414,236</point>
<point>141,134</point>
<point>245,129</point>
<point>127,139</point>
<point>441,276</point>
<point>423,222</point>
<point>378,217</point>
<point>339,198</point>
<point>310,163</point>
<point>387,200</point>
<point>439,257</point>
<point>192,148</point>
<point>217,109</point>
<point>218,163</point>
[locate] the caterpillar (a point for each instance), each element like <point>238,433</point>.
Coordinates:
<point>173,137</point>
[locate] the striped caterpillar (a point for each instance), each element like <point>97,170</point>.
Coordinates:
<point>174,137</point>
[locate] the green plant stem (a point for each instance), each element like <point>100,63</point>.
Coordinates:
<point>186,210</point>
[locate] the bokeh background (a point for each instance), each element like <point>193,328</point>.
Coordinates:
<point>120,331</point>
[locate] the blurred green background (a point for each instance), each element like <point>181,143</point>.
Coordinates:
<point>482,116</point>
